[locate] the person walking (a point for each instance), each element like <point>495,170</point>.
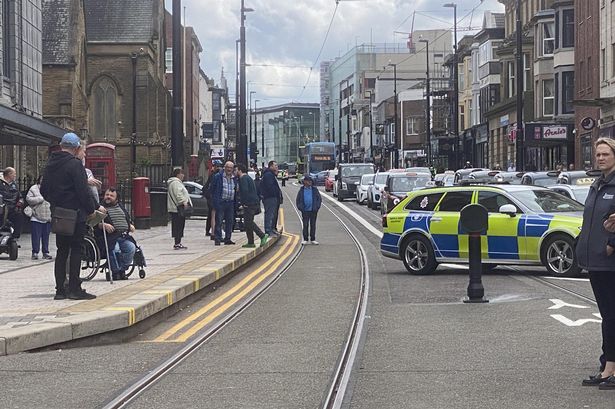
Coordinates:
<point>177,200</point>
<point>308,203</point>
<point>40,220</point>
<point>595,251</point>
<point>64,185</point>
<point>210,224</point>
<point>272,197</point>
<point>251,206</point>
<point>223,189</point>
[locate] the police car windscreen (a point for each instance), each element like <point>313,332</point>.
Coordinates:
<point>356,170</point>
<point>407,184</point>
<point>546,201</point>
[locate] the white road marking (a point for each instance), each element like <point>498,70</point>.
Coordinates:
<point>557,304</point>
<point>352,213</point>
<point>570,323</point>
<point>568,279</point>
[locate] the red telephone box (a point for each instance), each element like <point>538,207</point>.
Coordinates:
<point>100,159</point>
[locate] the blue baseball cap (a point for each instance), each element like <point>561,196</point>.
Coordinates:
<point>70,140</point>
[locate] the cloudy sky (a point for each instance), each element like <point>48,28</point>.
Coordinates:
<point>284,37</point>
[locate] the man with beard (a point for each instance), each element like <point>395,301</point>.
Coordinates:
<point>118,225</point>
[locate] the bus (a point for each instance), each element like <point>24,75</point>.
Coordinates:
<point>319,156</point>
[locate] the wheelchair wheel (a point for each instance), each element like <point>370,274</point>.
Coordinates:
<point>90,259</point>
<point>130,270</point>
<point>141,273</point>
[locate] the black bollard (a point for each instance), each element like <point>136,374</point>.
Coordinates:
<point>474,220</point>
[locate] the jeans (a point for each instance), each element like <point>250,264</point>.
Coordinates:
<point>309,220</point>
<point>225,211</point>
<point>603,285</point>
<point>121,254</point>
<point>272,205</point>
<point>177,227</point>
<point>40,232</point>
<point>69,245</point>
<point>248,220</point>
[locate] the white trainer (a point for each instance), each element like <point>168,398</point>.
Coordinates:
<point>314,242</point>
<point>304,242</point>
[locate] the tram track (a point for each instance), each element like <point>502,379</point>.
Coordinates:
<point>340,378</point>
<point>545,281</point>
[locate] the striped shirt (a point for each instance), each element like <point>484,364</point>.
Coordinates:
<point>118,218</point>
<point>228,188</point>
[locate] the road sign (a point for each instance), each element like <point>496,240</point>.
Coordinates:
<point>217,153</point>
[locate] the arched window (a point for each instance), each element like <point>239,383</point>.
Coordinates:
<point>104,110</point>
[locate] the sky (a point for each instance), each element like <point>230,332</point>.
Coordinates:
<point>284,37</point>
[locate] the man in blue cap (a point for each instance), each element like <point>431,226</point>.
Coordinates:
<point>65,185</point>
<point>308,202</point>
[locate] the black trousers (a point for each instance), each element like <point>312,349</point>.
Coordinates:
<point>69,246</point>
<point>248,221</point>
<point>603,285</point>
<point>177,227</point>
<point>210,219</point>
<point>309,221</point>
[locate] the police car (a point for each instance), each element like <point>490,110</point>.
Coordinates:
<point>528,225</point>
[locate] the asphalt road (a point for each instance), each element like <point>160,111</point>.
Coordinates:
<point>529,347</point>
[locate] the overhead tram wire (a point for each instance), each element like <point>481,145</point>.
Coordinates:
<point>337,3</point>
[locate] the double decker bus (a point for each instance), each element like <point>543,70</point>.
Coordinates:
<point>319,156</point>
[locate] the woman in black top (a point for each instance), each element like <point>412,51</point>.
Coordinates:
<point>595,251</point>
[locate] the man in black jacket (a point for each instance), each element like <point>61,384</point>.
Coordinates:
<point>272,197</point>
<point>65,185</point>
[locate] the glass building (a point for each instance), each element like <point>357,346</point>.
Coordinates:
<point>280,132</point>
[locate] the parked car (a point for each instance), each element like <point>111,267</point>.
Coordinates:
<point>544,179</point>
<point>319,177</point>
<point>195,190</point>
<point>348,174</point>
<point>398,185</point>
<point>445,179</point>
<point>361,191</point>
<point>528,225</point>
<point>463,174</point>
<point>375,190</point>
<point>513,178</point>
<point>330,180</point>
<point>578,177</point>
<point>576,192</point>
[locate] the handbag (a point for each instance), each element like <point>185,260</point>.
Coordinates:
<point>185,211</point>
<point>63,221</point>
<point>28,211</point>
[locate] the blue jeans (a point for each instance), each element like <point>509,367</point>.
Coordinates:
<point>225,211</point>
<point>272,206</point>
<point>120,257</point>
<point>40,232</point>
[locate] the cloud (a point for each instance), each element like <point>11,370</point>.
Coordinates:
<point>284,33</point>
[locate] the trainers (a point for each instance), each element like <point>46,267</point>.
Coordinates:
<point>304,242</point>
<point>264,240</point>
<point>229,243</point>
<point>248,246</point>
<point>34,256</point>
<point>47,257</point>
<point>217,242</point>
<point>314,242</point>
<point>180,247</point>
<point>81,295</point>
<point>60,295</point>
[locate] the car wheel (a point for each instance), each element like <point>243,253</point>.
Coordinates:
<point>558,256</point>
<point>418,255</point>
<point>339,198</point>
<point>374,205</point>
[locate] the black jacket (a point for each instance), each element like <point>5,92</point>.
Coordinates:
<point>65,184</point>
<point>591,245</point>
<point>10,193</point>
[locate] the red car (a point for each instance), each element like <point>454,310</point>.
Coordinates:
<point>330,180</point>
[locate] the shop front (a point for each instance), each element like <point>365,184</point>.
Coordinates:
<point>548,145</point>
<point>481,148</point>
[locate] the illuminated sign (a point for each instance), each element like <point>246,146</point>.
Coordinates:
<point>322,157</point>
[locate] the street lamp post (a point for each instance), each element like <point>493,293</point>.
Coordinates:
<point>371,130</point>
<point>427,103</point>
<point>177,118</point>
<point>133,137</point>
<point>250,124</point>
<point>455,85</point>
<point>520,134</point>
<point>396,153</point>
<point>241,154</point>
<point>254,152</point>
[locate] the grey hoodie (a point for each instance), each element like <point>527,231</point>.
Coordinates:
<point>591,246</point>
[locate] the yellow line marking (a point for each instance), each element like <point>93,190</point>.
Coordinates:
<point>217,275</point>
<point>197,327</point>
<point>179,326</point>
<point>281,213</point>
<point>131,313</point>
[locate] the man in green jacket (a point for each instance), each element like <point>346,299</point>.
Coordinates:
<point>251,206</point>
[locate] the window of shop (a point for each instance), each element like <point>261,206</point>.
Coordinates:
<point>548,97</point>
<point>6,43</point>
<point>568,28</point>
<point>511,79</point>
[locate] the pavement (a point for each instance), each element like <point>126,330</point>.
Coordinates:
<point>30,318</point>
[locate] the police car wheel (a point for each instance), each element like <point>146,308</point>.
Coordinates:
<point>558,256</point>
<point>418,255</point>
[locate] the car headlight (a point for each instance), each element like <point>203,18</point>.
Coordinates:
<point>344,185</point>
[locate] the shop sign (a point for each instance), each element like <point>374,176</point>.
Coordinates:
<point>504,120</point>
<point>554,132</point>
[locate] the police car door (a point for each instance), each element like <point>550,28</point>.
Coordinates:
<point>503,240</point>
<point>444,224</point>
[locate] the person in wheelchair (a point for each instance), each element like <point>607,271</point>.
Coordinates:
<point>118,226</point>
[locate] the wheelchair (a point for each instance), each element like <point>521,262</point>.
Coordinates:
<point>92,257</point>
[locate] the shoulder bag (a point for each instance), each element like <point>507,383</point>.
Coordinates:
<point>63,221</point>
<point>183,211</point>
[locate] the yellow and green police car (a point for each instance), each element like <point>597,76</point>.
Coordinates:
<point>528,225</point>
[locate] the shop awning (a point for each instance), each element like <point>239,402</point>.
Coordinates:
<point>18,128</point>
